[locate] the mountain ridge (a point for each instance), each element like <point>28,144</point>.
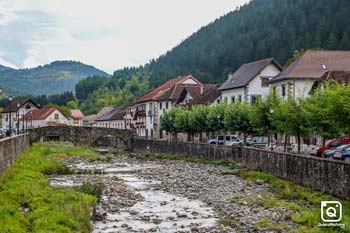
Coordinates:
<point>53,78</point>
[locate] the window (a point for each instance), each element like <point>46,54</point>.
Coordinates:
<point>335,143</point>
<point>166,105</point>
<point>225,99</point>
<point>239,98</point>
<point>228,138</point>
<point>283,90</point>
<point>56,117</point>
<point>324,66</point>
<point>160,106</point>
<point>265,81</point>
<point>232,99</point>
<point>255,98</point>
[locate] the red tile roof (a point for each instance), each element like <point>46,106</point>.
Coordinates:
<point>39,114</point>
<point>171,90</point>
<point>310,65</point>
<point>76,114</point>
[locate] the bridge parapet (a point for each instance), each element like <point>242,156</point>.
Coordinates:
<point>80,135</point>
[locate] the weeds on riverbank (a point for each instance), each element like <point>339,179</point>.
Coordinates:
<point>29,204</point>
<point>305,203</point>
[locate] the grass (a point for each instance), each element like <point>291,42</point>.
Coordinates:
<point>29,204</point>
<point>266,224</point>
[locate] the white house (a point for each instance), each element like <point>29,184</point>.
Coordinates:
<point>250,81</point>
<point>44,117</point>
<point>143,115</point>
<point>301,76</point>
<point>112,119</point>
<point>16,110</point>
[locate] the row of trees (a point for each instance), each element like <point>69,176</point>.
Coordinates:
<point>325,113</point>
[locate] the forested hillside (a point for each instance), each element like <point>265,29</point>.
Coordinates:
<point>260,29</point>
<point>57,77</point>
<point>3,68</point>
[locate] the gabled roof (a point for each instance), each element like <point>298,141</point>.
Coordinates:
<point>170,90</point>
<point>103,111</point>
<point>339,76</point>
<point>247,72</point>
<point>210,94</point>
<point>112,115</point>
<point>309,66</point>
<point>76,114</point>
<point>21,102</point>
<point>39,114</point>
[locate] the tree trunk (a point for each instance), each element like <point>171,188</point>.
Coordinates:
<point>299,137</point>
<point>244,139</point>
<point>200,137</point>
<point>285,142</point>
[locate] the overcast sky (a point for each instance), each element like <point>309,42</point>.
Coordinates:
<point>108,34</point>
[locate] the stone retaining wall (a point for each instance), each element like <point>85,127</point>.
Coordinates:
<point>10,149</point>
<point>329,176</point>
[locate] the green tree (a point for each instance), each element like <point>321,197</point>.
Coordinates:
<point>238,117</point>
<point>216,117</point>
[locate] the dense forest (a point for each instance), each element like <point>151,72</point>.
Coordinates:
<point>259,29</point>
<point>54,78</point>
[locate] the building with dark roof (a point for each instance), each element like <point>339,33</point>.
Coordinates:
<point>299,78</point>
<point>250,81</point>
<point>112,119</point>
<point>15,110</point>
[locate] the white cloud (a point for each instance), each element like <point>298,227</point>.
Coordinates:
<point>109,34</point>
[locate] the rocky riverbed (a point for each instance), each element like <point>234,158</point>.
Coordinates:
<point>141,194</point>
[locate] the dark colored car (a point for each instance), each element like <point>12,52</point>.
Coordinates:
<point>330,145</point>
<point>342,153</point>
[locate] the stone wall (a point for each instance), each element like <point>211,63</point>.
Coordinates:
<point>10,149</point>
<point>329,176</point>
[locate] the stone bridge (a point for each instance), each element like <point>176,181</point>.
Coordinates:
<point>90,136</point>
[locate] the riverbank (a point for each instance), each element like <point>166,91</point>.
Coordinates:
<point>29,204</point>
<point>56,187</point>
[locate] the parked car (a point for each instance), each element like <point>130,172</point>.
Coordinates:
<point>232,140</point>
<point>330,144</point>
<point>342,153</point>
<point>217,140</point>
<point>260,141</point>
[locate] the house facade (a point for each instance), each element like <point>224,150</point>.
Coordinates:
<point>44,117</point>
<point>16,110</point>
<point>143,115</point>
<point>250,82</point>
<point>112,119</point>
<point>76,117</point>
<point>299,79</point>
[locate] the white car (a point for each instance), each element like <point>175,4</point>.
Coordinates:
<point>232,140</point>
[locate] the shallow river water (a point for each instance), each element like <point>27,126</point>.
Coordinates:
<point>149,208</point>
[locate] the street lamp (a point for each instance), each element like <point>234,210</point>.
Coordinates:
<point>10,124</point>
<point>17,116</point>
<point>271,140</point>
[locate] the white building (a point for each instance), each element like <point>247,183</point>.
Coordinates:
<point>144,114</point>
<point>301,76</point>
<point>112,119</point>
<point>16,111</point>
<point>44,117</point>
<point>250,81</point>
